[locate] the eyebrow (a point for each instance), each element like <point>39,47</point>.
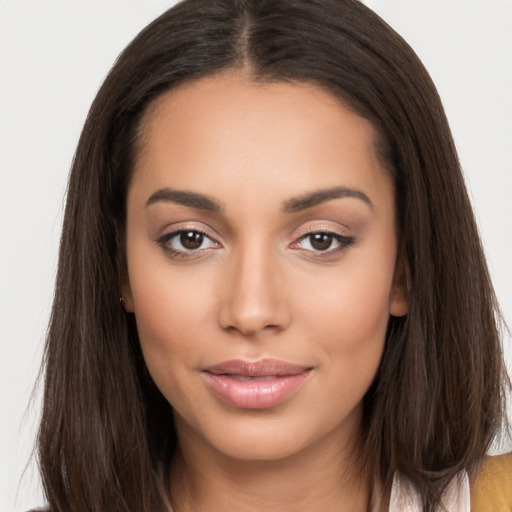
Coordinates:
<point>317,197</point>
<point>293,205</point>
<point>182,197</point>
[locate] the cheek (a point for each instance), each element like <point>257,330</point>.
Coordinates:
<point>363,304</point>
<point>173,308</point>
<point>168,323</point>
<point>352,337</point>
<point>354,304</point>
<point>347,313</point>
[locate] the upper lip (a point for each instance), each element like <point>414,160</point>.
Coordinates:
<point>261,368</point>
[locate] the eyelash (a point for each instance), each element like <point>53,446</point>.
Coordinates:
<point>165,242</point>
<point>344,242</point>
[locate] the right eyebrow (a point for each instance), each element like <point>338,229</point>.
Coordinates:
<point>184,198</point>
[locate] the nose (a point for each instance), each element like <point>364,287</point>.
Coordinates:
<point>254,296</point>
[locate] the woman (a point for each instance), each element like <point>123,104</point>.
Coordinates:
<point>271,291</point>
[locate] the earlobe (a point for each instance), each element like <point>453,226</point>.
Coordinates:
<point>399,305</point>
<point>126,298</point>
<point>125,290</point>
<point>400,290</point>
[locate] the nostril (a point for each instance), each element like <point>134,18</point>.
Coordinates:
<point>252,298</point>
<point>248,330</point>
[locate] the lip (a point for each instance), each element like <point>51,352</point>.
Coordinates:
<point>254,384</point>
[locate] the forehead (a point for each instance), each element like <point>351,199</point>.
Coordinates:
<point>228,131</point>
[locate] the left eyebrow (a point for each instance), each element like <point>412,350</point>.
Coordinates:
<point>310,199</point>
<point>190,199</point>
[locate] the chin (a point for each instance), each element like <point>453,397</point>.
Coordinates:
<point>271,435</point>
<point>267,444</point>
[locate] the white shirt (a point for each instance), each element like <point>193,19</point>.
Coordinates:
<point>455,499</point>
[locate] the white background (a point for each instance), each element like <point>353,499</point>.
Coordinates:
<point>54,55</point>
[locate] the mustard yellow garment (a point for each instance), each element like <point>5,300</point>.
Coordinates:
<point>491,491</point>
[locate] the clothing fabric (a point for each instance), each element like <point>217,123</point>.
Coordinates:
<point>492,489</point>
<point>455,499</point>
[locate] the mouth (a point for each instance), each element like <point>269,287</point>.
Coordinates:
<point>255,385</point>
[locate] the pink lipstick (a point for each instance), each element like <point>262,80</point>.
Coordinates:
<point>254,385</point>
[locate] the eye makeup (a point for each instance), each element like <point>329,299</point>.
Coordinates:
<point>323,242</point>
<point>321,233</point>
<point>187,243</point>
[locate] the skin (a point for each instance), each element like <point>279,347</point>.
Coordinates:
<point>258,288</point>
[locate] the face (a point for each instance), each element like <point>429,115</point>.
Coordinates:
<point>261,253</point>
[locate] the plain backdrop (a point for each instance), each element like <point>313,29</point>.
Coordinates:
<point>53,56</point>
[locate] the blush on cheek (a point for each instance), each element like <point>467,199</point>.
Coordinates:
<point>359,316</point>
<point>368,325</point>
<point>164,356</point>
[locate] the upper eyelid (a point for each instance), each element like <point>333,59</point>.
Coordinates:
<point>164,240</point>
<point>334,234</point>
<point>323,228</point>
<point>175,232</point>
<point>320,226</point>
<point>344,242</point>
<point>180,227</point>
<point>337,236</point>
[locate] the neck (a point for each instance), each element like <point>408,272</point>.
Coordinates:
<point>318,478</point>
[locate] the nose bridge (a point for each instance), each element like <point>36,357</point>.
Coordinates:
<point>254,298</point>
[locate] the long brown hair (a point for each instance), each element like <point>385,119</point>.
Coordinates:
<point>437,401</point>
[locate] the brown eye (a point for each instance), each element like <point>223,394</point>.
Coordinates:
<point>191,240</point>
<point>321,241</point>
<point>185,243</point>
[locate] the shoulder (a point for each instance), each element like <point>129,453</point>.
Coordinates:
<point>491,489</point>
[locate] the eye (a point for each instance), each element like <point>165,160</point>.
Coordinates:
<point>323,241</point>
<point>185,242</point>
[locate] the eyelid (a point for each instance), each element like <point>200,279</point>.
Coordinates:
<point>343,240</point>
<point>322,227</point>
<point>164,238</point>
<point>177,227</point>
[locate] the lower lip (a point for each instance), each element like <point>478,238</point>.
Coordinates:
<point>258,393</point>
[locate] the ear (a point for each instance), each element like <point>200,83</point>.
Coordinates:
<point>125,289</point>
<point>400,289</point>
<point>126,296</point>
